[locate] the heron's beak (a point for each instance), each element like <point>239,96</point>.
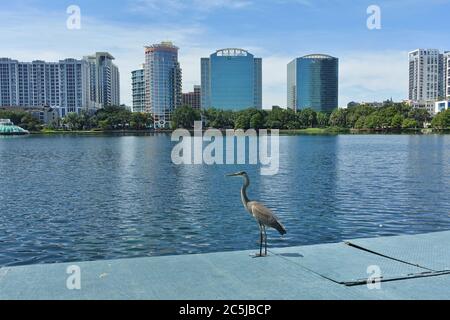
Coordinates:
<point>233,175</point>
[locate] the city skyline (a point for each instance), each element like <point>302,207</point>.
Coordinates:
<point>372,62</point>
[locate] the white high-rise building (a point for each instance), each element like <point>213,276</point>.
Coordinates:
<point>138,89</point>
<point>104,79</point>
<point>446,75</point>
<point>425,75</point>
<point>29,83</point>
<point>9,82</point>
<point>74,87</point>
<point>71,84</point>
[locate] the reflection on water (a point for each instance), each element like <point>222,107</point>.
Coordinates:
<point>71,198</point>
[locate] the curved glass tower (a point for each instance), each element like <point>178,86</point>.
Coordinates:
<point>231,80</point>
<point>162,74</point>
<point>313,83</point>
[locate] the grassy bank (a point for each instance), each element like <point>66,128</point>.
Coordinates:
<point>91,132</point>
<point>313,131</point>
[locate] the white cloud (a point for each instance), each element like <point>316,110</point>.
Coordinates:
<point>34,35</point>
<point>52,41</point>
<point>370,76</point>
<point>274,80</point>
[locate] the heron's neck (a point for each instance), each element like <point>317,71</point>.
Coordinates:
<point>244,197</point>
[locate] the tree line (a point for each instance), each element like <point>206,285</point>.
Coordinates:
<point>393,116</point>
<point>108,118</point>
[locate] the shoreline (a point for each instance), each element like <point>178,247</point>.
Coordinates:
<point>283,132</point>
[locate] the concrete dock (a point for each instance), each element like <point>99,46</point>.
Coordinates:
<point>409,267</point>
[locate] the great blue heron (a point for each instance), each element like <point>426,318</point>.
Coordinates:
<point>264,216</point>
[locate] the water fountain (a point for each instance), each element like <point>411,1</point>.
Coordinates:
<point>7,127</point>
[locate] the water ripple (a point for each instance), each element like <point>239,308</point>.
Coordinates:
<point>65,198</point>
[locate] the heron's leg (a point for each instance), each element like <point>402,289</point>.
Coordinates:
<point>265,240</point>
<point>260,239</point>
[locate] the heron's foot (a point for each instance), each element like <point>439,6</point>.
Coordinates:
<point>258,255</point>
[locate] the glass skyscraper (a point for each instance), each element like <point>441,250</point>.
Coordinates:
<point>162,74</point>
<point>231,80</point>
<point>312,82</point>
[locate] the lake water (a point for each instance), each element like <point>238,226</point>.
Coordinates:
<point>72,198</point>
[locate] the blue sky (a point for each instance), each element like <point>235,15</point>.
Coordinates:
<point>373,63</point>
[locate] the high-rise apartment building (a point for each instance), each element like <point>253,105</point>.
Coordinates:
<point>193,99</point>
<point>138,90</point>
<point>231,79</point>
<point>312,82</point>
<point>9,82</point>
<point>446,74</point>
<point>71,84</point>
<point>104,79</point>
<point>29,83</point>
<point>426,75</point>
<point>74,85</point>
<point>44,83</point>
<point>162,74</point>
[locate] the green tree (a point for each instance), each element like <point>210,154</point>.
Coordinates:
<point>353,114</point>
<point>307,117</point>
<point>373,121</point>
<point>184,117</point>
<point>140,120</point>
<point>338,118</point>
<point>219,119</point>
<point>360,123</point>
<point>257,121</point>
<point>441,120</point>
<point>72,120</point>
<point>85,120</point>
<point>410,124</point>
<point>322,119</point>
<point>242,122</point>
<point>113,117</point>
<point>275,119</point>
<point>420,115</point>
<point>397,121</point>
